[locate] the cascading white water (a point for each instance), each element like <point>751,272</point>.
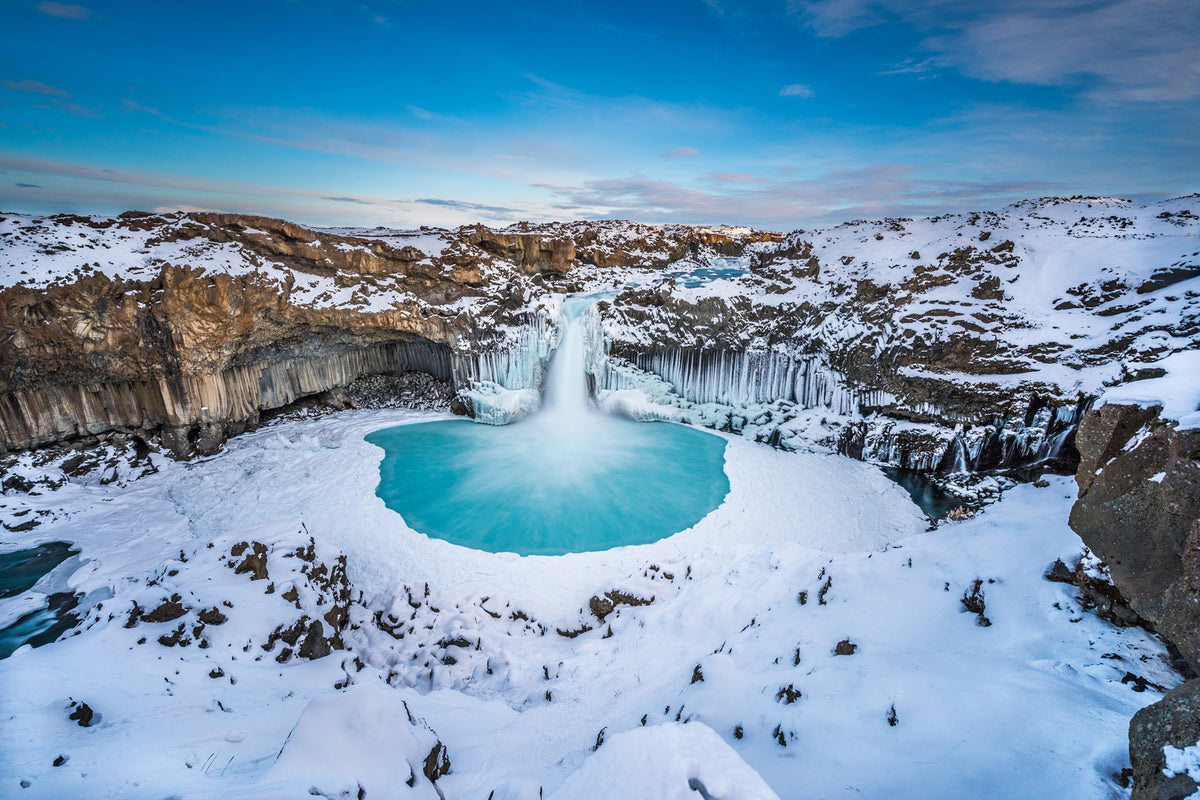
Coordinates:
<point>566,382</point>
<point>566,479</point>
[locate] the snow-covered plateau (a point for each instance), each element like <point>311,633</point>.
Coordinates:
<point>810,638</point>
<point>202,595</point>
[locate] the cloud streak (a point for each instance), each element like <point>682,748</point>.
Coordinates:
<point>796,90</point>
<point>461,205</point>
<point>875,191</point>
<point>35,87</point>
<point>1109,50</point>
<point>65,11</point>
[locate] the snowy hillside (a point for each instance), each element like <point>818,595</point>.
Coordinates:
<point>809,637</point>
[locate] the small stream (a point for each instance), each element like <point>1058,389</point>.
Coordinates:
<point>20,571</point>
<point>936,503</point>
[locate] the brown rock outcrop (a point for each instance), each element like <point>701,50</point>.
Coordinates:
<point>201,321</point>
<point>532,254</point>
<point>1139,510</point>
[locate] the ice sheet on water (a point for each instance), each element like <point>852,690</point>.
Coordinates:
<point>719,268</point>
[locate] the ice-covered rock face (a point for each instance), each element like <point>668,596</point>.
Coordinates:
<point>194,323</point>
<point>999,320</point>
<point>948,314</point>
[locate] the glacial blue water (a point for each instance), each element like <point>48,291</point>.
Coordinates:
<point>20,570</point>
<point>720,268</point>
<point>568,479</point>
<point>532,489</point>
<point>932,499</point>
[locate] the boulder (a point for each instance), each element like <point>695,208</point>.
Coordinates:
<point>1174,721</point>
<point>1138,510</point>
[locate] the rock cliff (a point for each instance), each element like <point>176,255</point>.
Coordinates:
<point>956,342</point>
<point>1139,509</point>
<point>195,323</point>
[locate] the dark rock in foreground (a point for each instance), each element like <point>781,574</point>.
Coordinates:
<point>1139,510</point>
<point>1174,721</point>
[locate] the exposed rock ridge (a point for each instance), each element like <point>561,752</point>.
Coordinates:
<point>197,411</point>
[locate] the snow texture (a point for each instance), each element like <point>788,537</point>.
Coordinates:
<point>1185,761</point>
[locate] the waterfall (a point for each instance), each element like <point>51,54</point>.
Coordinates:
<point>566,380</point>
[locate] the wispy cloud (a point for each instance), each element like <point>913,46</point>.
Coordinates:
<point>738,177</point>
<point>345,199</point>
<point>840,17</point>
<point>134,107</point>
<point>89,187</point>
<point>796,90</point>
<point>1110,50</point>
<point>77,110</point>
<point>682,152</point>
<point>875,191</point>
<point>461,205</point>
<point>65,11</point>
<point>912,66</point>
<point>56,96</point>
<point>424,114</point>
<point>35,87</point>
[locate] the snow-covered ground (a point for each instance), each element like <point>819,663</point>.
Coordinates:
<point>807,639</point>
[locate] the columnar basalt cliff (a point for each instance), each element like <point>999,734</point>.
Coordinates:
<point>196,323</point>
<point>968,341</point>
<point>958,342</point>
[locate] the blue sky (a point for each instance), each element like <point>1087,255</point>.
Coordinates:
<point>774,113</point>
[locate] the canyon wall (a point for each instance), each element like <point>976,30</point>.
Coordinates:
<point>1139,510</point>
<point>191,325</point>
<point>956,342</point>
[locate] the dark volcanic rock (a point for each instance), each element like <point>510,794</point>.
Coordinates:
<point>1174,721</point>
<point>437,763</point>
<point>530,253</point>
<point>315,644</point>
<point>409,390</point>
<point>1138,509</point>
<point>82,714</point>
<point>198,349</point>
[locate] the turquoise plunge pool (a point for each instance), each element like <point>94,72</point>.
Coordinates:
<point>550,485</point>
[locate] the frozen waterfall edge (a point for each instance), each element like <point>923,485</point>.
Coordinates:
<point>801,402</point>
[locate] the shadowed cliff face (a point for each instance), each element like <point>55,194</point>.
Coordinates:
<point>1139,510</point>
